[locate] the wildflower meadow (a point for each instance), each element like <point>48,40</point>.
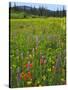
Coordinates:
<point>37,52</point>
<point>37,49</point>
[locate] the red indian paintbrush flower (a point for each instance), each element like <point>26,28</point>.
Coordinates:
<point>29,75</point>
<point>25,76</point>
<point>29,65</point>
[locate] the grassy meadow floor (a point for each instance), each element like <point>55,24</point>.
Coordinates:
<point>37,52</point>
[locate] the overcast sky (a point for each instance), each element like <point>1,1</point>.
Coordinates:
<point>49,6</point>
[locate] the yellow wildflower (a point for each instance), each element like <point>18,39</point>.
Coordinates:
<point>44,77</point>
<point>49,69</point>
<point>62,79</point>
<point>29,82</point>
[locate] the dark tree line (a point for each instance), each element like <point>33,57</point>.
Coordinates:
<point>41,11</point>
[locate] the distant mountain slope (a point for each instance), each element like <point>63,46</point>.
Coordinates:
<point>33,12</point>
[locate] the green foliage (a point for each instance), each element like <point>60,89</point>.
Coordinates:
<point>33,12</point>
<point>29,40</point>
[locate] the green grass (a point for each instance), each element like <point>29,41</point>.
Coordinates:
<point>29,40</point>
<point>21,15</point>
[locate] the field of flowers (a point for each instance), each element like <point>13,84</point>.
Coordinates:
<point>37,52</point>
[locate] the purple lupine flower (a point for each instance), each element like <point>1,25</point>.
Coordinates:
<point>18,76</point>
<point>22,55</point>
<point>58,61</point>
<point>37,41</point>
<point>33,52</point>
<point>28,68</point>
